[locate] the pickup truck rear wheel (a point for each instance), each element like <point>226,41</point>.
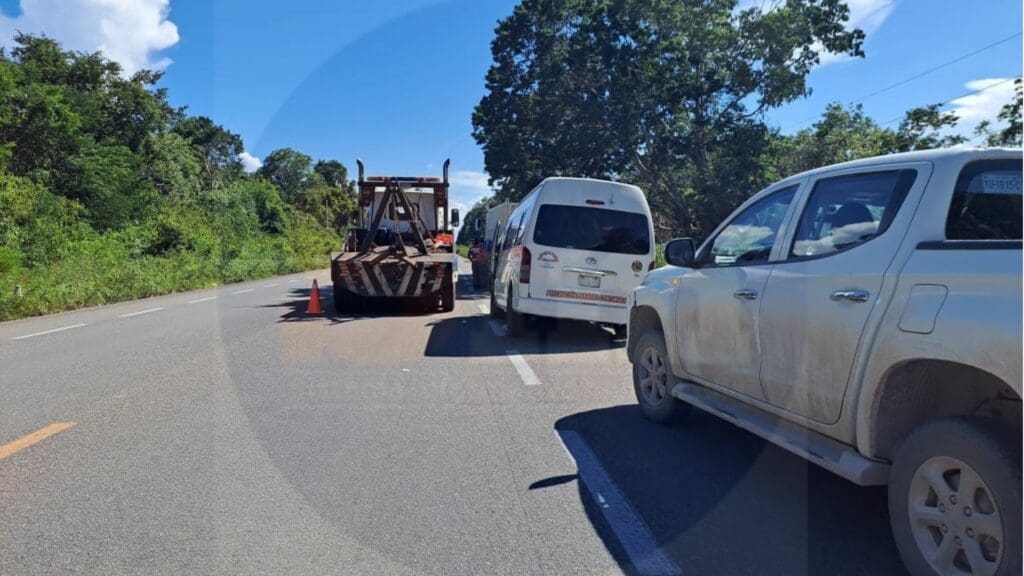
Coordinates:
<point>955,499</point>
<point>652,380</point>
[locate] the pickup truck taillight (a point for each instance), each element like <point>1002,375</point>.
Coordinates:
<point>524,266</point>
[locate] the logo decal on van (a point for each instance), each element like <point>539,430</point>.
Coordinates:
<point>547,256</point>
<point>638,266</point>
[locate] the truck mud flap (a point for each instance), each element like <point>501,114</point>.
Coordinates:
<point>391,280</point>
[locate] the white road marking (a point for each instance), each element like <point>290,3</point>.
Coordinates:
<point>243,291</point>
<point>635,537</point>
<point>51,331</point>
<point>496,328</point>
<point>272,284</point>
<point>525,372</point>
<point>140,312</point>
<point>207,299</point>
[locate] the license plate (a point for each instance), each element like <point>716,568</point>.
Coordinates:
<point>590,281</point>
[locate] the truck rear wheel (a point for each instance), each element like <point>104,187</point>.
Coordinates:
<point>448,295</point>
<point>345,301</point>
<point>955,499</point>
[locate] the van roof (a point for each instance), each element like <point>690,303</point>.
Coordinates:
<point>560,181</point>
<point>581,191</point>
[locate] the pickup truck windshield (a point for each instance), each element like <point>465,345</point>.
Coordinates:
<point>596,229</point>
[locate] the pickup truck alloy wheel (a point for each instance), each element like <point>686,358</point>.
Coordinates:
<point>955,498</point>
<point>954,518</point>
<point>652,380</point>
<point>653,376</point>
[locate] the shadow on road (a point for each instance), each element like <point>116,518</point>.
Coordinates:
<point>719,500</point>
<point>474,336</point>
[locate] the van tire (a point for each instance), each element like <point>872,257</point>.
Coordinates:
<point>495,312</point>
<point>656,401</point>
<point>515,323</point>
<point>988,450</point>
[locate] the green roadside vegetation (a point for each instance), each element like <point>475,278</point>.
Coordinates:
<point>108,193</point>
<point>672,96</point>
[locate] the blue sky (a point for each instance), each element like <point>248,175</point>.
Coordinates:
<point>395,82</point>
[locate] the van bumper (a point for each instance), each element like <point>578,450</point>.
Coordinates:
<point>591,312</point>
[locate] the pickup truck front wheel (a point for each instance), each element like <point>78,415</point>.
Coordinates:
<point>652,380</point>
<point>955,499</point>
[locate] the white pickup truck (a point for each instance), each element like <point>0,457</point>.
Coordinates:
<point>865,316</point>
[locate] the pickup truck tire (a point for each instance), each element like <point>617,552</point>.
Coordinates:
<point>515,323</point>
<point>955,499</point>
<point>652,380</point>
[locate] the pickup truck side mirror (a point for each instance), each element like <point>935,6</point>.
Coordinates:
<point>681,252</point>
<point>455,218</point>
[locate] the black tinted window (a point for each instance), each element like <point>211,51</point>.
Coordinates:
<point>596,229</point>
<point>986,202</point>
<point>848,210</point>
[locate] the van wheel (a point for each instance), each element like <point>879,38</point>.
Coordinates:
<point>955,499</point>
<point>495,312</point>
<point>515,323</point>
<point>653,380</point>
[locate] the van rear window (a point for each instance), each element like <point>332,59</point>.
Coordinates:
<point>594,229</point>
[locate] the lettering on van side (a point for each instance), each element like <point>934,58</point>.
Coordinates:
<point>588,296</point>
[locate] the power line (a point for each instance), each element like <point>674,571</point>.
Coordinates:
<point>965,94</point>
<point>919,75</point>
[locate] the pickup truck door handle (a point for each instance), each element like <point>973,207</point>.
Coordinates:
<point>851,295</point>
<point>745,294</point>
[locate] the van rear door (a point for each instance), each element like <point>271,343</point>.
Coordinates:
<point>588,253</point>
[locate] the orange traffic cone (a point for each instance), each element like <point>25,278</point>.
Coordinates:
<point>314,300</point>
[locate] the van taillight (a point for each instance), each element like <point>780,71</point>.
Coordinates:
<point>650,266</point>
<point>524,266</point>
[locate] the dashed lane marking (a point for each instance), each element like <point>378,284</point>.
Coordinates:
<point>243,291</point>
<point>207,299</point>
<point>36,437</point>
<point>51,331</point>
<point>632,532</point>
<point>525,372</point>
<point>272,284</point>
<point>140,312</point>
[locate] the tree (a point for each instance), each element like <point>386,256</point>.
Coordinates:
<point>217,148</point>
<point>926,128</point>
<point>289,170</point>
<point>333,172</point>
<point>654,90</point>
<point>1010,114</point>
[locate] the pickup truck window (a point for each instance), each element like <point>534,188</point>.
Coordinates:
<point>986,202</point>
<point>845,211</point>
<point>749,238</point>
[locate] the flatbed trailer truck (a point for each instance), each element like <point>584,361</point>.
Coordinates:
<point>402,254</point>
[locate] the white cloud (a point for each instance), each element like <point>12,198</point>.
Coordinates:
<point>250,163</point>
<point>130,32</point>
<point>868,15</point>
<point>973,109</point>
<point>470,179</point>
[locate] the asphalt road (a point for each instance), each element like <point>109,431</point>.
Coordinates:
<point>227,432</point>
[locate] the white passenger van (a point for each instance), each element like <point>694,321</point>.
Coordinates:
<point>574,248</point>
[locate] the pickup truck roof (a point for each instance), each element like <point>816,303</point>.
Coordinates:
<point>916,156</point>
